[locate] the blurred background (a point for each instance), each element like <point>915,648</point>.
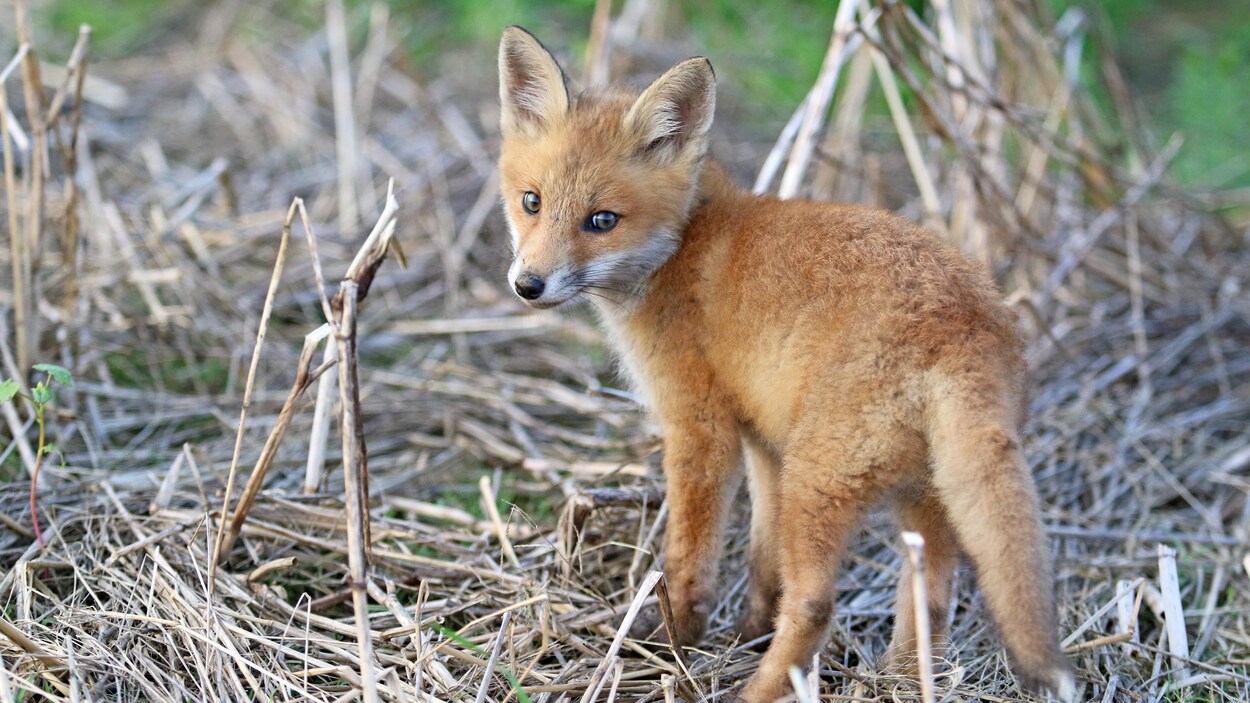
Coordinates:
<point>1186,61</point>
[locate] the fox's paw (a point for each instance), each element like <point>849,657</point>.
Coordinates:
<point>762,689</point>
<point>1055,684</point>
<point>689,624</point>
<point>690,620</point>
<point>901,658</point>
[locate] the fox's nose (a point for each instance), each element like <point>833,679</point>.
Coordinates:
<point>529,286</point>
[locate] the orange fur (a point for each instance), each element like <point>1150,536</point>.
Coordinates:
<point>858,358</point>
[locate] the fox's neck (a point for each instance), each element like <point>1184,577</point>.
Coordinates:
<point>715,183</point>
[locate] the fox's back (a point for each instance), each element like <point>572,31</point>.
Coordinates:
<point>785,298</point>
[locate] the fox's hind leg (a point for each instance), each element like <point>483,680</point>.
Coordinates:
<point>985,484</point>
<point>924,514</point>
<point>764,582</point>
<point>831,473</point>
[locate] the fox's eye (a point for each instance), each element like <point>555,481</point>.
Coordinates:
<point>530,202</point>
<point>603,221</point>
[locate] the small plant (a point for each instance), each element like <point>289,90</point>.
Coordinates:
<point>40,396</point>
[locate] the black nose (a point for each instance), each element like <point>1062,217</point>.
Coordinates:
<point>529,286</point>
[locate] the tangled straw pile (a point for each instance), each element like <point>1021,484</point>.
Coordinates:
<point>515,513</point>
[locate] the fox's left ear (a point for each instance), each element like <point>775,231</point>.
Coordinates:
<point>672,116</point>
<point>533,91</point>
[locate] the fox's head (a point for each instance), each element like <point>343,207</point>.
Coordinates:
<point>597,187</point>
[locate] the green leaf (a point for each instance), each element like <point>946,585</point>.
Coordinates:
<point>41,394</point>
<point>59,373</point>
<point>53,449</point>
<point>8,389</point>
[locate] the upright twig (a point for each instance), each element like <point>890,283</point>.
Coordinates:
<point>494,657</point>
<point>1174,611</point>
<point>346,145</point>
<point>355,478</point>
<point>906,134</point>
<point>818,104</point>
<point>26,287</point>
<point>920,607</point>
<point>304,376</point>
<point>777,154</point>
<point>492,511</point>
<point>599,47</point>
<point>361,269</point>
<point>685,684</point>
<point>17,239</point>
<point>314,469</point>
<point>274,278</point>
<point>1126,612</point>
<point>75,69</point>
<point>354,287</point>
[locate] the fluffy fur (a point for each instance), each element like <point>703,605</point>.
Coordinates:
<point>851,357</point>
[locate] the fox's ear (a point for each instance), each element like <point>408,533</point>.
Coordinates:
<point>671,118</point>
<point>532,89</point>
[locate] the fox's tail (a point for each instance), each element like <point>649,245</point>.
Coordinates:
<point>985,484</point>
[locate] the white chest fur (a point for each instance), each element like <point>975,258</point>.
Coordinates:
<point>615,320</point>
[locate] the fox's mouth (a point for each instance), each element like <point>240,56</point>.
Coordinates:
<point>546,303</point>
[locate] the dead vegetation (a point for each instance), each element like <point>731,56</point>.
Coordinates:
<point>514,513</point>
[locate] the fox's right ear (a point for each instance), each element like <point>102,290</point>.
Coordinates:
<point>533,91</point>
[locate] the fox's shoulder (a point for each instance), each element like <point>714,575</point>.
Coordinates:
<point>816,230</point>
<point>805,247</point>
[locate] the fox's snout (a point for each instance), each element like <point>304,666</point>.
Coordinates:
<point>539,286</point>
<point>529,286</point>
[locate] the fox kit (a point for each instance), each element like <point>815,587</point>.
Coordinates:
<point>849,356</point>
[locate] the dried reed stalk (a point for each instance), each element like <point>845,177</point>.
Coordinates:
<point>75,69</point>
<point>1173,611</point>
<point>17,240</point>
<point>274,278</point>
<point>684,683</point>
<point>26,255</point>
<point>305,374</point>
<point>355,482</point>
<point>315,466</point>
<point>599,48</point>
<point>777,155</point>
<point>344,117</point>
<point>818,104</point>
<point>914,543</point>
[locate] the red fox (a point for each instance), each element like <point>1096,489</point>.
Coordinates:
<point>846,356</point>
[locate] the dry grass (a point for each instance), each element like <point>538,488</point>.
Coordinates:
<point>149,278</point>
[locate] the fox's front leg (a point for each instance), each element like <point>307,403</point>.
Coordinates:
<point>701,466</point>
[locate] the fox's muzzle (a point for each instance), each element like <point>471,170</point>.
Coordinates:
<point>529,286</point>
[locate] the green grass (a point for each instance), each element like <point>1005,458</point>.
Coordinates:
<point>465,495</point>
<point>1187,60</point>
<point>117,26</point>
<point>133,368</point>
<point>11,469</point>
<point>1210,103</point>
